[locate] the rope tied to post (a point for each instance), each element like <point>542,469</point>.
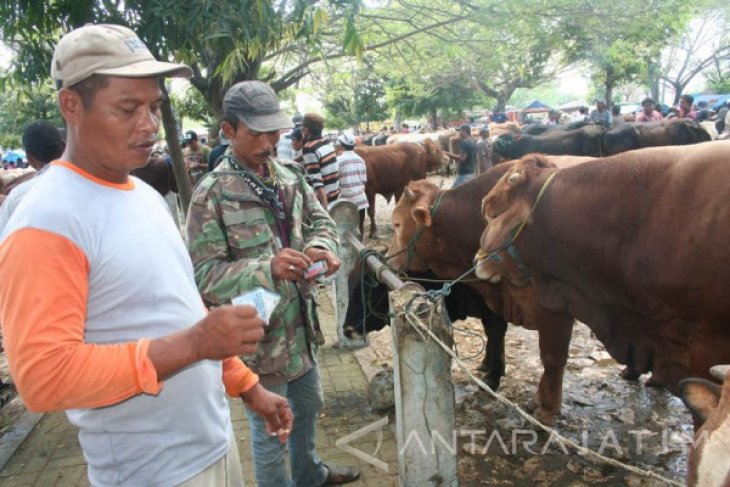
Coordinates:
<point>413,315</point>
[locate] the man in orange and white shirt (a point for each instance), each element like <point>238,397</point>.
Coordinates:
<point>98,304</point>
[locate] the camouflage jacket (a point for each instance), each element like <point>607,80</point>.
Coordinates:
<point>232,237</point>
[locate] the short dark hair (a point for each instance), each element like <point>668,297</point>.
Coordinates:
<point>688,98</point>
<point>43,141</point>
<point>647,101</point>
<point>314,123</point>
<point>88,88</point>
<point>616,109</point>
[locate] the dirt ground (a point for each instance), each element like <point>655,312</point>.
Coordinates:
<point>644,427</point>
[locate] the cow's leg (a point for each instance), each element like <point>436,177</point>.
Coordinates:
<point>492,365</point>
<point>554,344</point>
<point>371,214</point>
<point>398,193</point>
<point>675,360</point>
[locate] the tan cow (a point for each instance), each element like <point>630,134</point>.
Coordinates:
<point>709,455</point>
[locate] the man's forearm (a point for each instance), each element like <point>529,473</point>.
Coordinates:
<point>173,352</point>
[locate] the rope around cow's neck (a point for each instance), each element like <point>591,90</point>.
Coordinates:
<point>509,243</point>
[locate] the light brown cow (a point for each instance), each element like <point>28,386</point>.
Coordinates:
<point>391,167</point>
<point>634,246</point>
<point>709,455</point>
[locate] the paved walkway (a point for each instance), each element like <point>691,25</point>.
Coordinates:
<point>51,456</point>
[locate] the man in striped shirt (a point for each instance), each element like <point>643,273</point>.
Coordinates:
<point>353,176</point>
<point>320,160</point>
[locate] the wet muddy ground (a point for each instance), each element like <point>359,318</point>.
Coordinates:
<point>645,427</point>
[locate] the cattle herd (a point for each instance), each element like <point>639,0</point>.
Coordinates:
<point>629,235</point>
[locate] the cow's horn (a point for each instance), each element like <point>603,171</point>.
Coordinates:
<point>409,194</point>
<point>720,371</point>
<point>515,178</point>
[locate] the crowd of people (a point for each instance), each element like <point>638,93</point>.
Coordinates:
<point>109,314</point>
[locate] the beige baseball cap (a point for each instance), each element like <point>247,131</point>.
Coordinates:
<point>110,50</point>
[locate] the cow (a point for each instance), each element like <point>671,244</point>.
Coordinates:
<point>597,141</point>
<point>709,454</point>
<point>634,246</point>
<point>25,175</point>
<point>444,139</point>
<point>450,227</point>
<point>390,168</point>
<point>541,128</point>
<point>370,314</point>
<point>158,174</point>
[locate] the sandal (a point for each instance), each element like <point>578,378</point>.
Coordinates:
<point>340,475</point>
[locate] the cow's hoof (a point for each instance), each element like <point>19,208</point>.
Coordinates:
<point>492,382</point>
<point>541,414</point>
<point>351,333</point>
<point>545,417</point>
<point>630,374</point>
<point>655,381</point>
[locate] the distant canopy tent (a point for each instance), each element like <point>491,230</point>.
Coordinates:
<point>713,101</point>
<point>536,106</point>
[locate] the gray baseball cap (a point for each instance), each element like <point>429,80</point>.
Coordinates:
<point>255,104</point>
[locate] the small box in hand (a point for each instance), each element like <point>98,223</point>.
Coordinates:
<point>315,270</point>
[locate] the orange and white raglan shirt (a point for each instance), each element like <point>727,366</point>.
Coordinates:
<point>90,271</point>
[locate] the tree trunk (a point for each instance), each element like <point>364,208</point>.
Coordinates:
<point>653,78</point>
<point>173,147</point>
<point>609,92</point>
<point>396,119</point>
<point>504,96</point>
<point>678,89</point>
<point>434,119</point>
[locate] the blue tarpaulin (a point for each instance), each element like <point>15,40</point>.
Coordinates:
<point>713,101</point>
<point>536,106</point>
<point>13,156</point>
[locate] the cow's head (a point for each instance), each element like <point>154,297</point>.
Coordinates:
<point>412,211</point>
<point>434,155</point>
<point>709,456</point>
<point>505,208</point>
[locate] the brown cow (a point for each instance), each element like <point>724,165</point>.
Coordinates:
<point>634,245</point>
<point>449,237</point>
<point>709,454</point>
<point>390,168</point>
<point>14,183</point>
<point>158,174</point>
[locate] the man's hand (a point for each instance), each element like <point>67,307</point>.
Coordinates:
<point>228,331</point>
<point>224,332</point>
<point>322,197</point>
<point>273,408</point>
<point>316,254</point>
<point>289,264</point>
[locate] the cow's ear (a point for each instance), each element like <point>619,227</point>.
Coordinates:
<point>422,215</point>
<point>700,396</point>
